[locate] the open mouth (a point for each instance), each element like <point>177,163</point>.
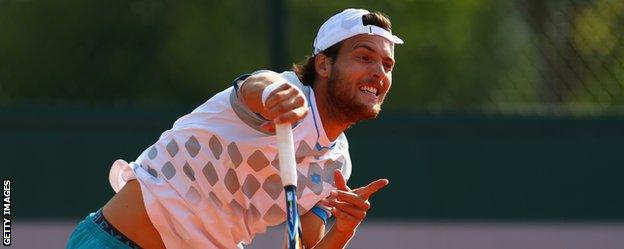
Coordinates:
<point>370,90</point>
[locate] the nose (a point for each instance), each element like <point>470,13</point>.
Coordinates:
<point>379,72</point>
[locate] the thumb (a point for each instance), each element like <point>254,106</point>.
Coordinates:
<point>341,183</point>
<point>268,126</point>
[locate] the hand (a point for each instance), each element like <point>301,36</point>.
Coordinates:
<point>350,206</point>
<point>286,104</point>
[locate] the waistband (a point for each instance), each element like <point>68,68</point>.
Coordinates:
<point>99,220</point>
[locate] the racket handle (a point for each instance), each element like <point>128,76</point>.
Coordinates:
<point>286,152</point>
<point>293,224</point>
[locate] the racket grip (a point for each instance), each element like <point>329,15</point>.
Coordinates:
<point>286,152</point>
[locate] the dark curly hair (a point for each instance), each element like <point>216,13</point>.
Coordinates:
<point>306,70</point>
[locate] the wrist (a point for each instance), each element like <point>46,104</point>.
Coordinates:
<point>346,233</point>
<point>250,94</point>
<point>269,89</point>
<point>247,91</point>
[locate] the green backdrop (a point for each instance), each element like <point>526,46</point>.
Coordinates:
<point>451,166</point>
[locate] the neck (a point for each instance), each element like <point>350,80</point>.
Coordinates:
<point>333,122</point>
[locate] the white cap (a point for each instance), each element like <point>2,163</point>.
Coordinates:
<point>347,24</point>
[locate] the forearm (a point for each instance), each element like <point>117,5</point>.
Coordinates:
<point>250,92</point>
<point>335,239</point>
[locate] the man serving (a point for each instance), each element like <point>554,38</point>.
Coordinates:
<point>212,180</point>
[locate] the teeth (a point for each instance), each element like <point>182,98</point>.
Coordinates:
<point>369,89</point>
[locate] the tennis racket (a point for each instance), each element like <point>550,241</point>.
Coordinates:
<point>288,173</point>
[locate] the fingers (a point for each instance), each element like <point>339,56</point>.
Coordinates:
<point>271,98</point>
<point>342,215</point>
<point>371,188</point>
<point>347,208</point>
<point>347,219</point>
<point>284,92</point>
<point>287,104</point>
<point>268,126</point>
<point>349,197</point>
<point>350,206</point>
<point>293,115</point>
<point>339,180</point>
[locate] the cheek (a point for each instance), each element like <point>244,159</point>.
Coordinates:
<point>389,80</point>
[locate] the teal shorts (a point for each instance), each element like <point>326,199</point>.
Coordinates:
<point>88,234</point>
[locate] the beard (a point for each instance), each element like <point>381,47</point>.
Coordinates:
<point>344,99</point>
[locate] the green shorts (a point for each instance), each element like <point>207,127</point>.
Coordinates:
<point>96,232</point>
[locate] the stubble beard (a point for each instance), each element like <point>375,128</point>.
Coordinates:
<point>343,101</point>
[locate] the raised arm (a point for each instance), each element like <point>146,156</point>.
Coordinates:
<point>284,104</point>
<point>349,207</point>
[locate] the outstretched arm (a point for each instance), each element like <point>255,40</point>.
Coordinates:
<point>349,207</point>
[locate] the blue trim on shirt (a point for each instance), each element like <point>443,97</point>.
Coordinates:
<point>317,146</point>
<point>321,213</point>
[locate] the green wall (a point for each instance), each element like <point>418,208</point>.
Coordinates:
<point>453,166</point>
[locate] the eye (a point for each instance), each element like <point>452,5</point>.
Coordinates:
<point>364,58</point>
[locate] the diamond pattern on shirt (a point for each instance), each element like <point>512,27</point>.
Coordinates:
<point>236,207</point>
<point>235,154</point>
<point>230,165</point>
<point>192,195</point>
<point>273,186</point>
<point>151,171</point>
<point>210,173</point>
<point>275,162</point>
<point>214,199</point>
<point>253,214</point>
<point>192,146</point>
<point>328,171</point>
<point>188,171</point>
<point>231,181</point>
<point>257,161</point>
<point>250,186</point>
<point>315,183</point>
<point>302,182</point>
<point>303,151</point>
<point>152,153</point>
<point>168,170</point>
<point>172,148</point>
<point>274,215</point>
<point>215,146</point>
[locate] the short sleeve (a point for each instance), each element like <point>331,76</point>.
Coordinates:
<point>243,112</point>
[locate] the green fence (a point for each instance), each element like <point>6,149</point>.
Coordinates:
<point>466,55</point>
<point>439,166</point>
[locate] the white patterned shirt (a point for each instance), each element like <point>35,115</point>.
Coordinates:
<point>212,180</point>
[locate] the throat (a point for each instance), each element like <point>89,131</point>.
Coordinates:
<point>333,118</point>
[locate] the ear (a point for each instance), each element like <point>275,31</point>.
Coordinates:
<point>323,65</point>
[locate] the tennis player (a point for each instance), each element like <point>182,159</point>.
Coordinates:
<point>212,180</point>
